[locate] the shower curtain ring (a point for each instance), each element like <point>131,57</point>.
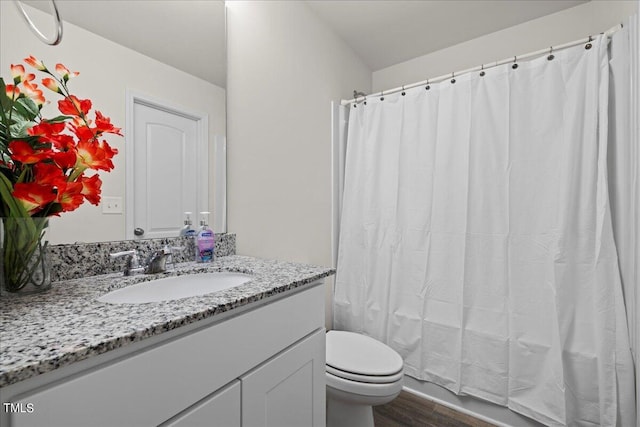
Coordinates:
<point>428,86</point>
<point>588,45</point>
<point>514,66</point>
<point>382,96</point>
<point>482,70</point>
<point>453,75</point>
<point>403,92</point>
<point>551,56</point>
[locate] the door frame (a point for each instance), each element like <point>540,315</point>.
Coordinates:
<point>202,152</point>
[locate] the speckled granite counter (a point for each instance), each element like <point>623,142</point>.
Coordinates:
<point>40,333</point>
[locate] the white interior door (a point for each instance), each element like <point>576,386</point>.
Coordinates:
<point>168,174</point>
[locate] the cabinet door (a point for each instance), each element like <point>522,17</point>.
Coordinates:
<point>288,390</point>
<point>221,409</point>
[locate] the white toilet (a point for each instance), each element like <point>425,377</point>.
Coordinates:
<point>361,372</point>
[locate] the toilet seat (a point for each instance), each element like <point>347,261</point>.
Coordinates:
<point>373,379</point>
<point>357,357</point>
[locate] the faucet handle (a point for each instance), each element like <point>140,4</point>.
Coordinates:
<point>123,253</point>
<point>134,262</point>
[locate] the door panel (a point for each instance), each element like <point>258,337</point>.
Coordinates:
<point>288,390</point>
<point>165,170</point>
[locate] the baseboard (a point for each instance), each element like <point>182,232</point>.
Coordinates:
<point>485,411</point>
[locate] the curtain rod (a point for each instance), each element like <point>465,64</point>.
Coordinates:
<point>607,33</point>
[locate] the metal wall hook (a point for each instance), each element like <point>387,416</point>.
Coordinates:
<point>56,16</point>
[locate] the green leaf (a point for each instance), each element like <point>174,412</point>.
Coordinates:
<point>59,119</point>
<point>4,135</point>
<point>27,108</point>
<point>17,116</point>
<point>5,103</point>
<point>16,210</point>
<point>19,129</point>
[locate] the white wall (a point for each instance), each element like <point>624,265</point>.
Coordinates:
<point>561,27</point>
<point>106,71</point>
<point>285,66</point>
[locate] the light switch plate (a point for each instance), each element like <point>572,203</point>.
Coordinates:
<point>112,205</point>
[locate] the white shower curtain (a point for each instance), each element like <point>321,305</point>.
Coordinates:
<point>624,174</point>
<point>476,237</point>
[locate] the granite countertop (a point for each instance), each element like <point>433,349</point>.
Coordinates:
<point>43,332</point>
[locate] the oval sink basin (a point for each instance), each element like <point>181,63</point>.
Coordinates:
<point>176,287</point>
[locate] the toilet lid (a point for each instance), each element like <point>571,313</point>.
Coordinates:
<point>360,354</point>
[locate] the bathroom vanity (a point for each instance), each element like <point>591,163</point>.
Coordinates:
<point>250,355</point>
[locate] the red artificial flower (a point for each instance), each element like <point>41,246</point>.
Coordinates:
<point>22,152</point>
<point>51,84</point>
<point>73,106</point>
<point>19,74</point>
<point>13,92</point>
<point>84,133</point>
<point>34,196</point>
<point>46,129</point>
<point>103,124</point>
<point>32,92</point>
<point>35,63</point>
<point>80,121</point>
<point>65,73</point>
<point>48,174</point>
<point>62,142</point>
<point>95,155</point>
<point>65,159</point>
<point>69,196</point>
<point>91,188</point>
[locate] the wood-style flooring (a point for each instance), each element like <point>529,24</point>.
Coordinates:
<point>411,410</point>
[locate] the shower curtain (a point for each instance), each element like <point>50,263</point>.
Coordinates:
<point>624,174</point>
<point>476,237</point>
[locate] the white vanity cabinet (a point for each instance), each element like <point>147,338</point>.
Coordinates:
<point>222,408</point>
<point>284,391</point>
<point>262,365</point>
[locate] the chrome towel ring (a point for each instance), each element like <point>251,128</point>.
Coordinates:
<point>56,16</point>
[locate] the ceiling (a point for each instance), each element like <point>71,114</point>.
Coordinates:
<point>190,34</point>
<point>186,34</point>
<point>384,33</point>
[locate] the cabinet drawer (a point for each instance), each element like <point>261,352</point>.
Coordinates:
<point>221,409</point>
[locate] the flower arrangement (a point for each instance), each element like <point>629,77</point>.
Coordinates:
<point>44,162</point>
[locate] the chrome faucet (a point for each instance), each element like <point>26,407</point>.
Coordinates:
<point>156,262</point>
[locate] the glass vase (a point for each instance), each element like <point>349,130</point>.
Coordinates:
<point>24,267</point>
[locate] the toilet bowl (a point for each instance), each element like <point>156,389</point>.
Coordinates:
<point>361,372</point>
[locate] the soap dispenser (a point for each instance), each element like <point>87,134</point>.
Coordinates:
<point>187,230</point>
<point>205,240</point>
